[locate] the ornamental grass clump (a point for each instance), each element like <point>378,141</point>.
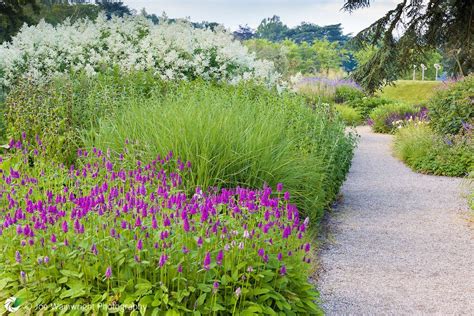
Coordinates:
<point>105,236</point>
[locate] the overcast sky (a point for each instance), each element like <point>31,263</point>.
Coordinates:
<point>233,13</point>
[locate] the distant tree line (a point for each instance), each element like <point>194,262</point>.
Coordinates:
<point>307,48</point>
<point>274,30</point>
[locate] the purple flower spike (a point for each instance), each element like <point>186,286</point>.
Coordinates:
<point>163,260</point>
<point>108,272</point>
<point>17,256</point>
<point>279,187</point>
<point>64,227</point>
<point>307,247</point>
<point>207,261</point>
<point>220,257</point>
<point>283,270</point>
<point>139,245</point>
<point>94,249</point>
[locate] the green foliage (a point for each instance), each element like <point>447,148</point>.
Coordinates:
<point>53,13</point>
<point>385,117</point>
<point>290,57</point>
<point>346,93</point>
<point>349,115</point>
<point>275,52</point>
<point>363,55</point>
<point>453,106</point>
<point>243,135</point>
<point>58,111</point>
<point>425,151</point>
<point>274,30</point>
<point>58,12</point>
<point>13,15</point>
<point>366,105</point>
<point>411,92</point>
<point>328,55</point>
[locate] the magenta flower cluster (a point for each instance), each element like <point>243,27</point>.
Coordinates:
<point>142,221</point>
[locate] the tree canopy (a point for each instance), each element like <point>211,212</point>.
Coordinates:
<point>405,34</point>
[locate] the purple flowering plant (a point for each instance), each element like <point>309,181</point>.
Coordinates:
<point>102,232</point>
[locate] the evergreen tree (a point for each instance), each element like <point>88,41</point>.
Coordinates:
<point>13,16</point>
<point>446,25</point>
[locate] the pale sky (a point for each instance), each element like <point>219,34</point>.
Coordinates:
<point>251,12</point>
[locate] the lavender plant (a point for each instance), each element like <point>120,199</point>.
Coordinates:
<point>108,237</point>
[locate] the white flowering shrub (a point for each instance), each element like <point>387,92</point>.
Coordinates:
<point>172,51</point>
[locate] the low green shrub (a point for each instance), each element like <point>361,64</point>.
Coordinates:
<point>366,105</point>
<point>425,151</point>
<point>452,108</point>
<point>346,93</point>
<point>349,115</point>
<point>238,135</point>
<point>387,118</point>
<point>57,111</point>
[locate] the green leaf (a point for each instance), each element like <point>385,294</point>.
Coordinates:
<point>146,300</point>
<point>260,291</point>
<point>70,273</point>
<point>217,307</point>
<point>4,282</point>
<point>201,299</point>
<point>204,287</point>
<point>62,280</point>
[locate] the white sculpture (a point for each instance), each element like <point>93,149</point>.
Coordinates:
<point>437,67</point>
<point>414,72</point>
<point>423,68</point>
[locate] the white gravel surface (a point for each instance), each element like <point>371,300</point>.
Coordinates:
<point>399,243</point>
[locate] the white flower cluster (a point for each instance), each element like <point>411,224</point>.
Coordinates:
<point>172,51</point>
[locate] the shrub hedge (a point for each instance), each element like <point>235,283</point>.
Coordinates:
<point>366,105</point>
<point>452,108</point>
<point>427,152</point>
<point>349,115</point>
<point>59,110</point>
<point>386,118</point>
<point>347,93</point>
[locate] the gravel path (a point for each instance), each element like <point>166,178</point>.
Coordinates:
<point>399,242</point>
